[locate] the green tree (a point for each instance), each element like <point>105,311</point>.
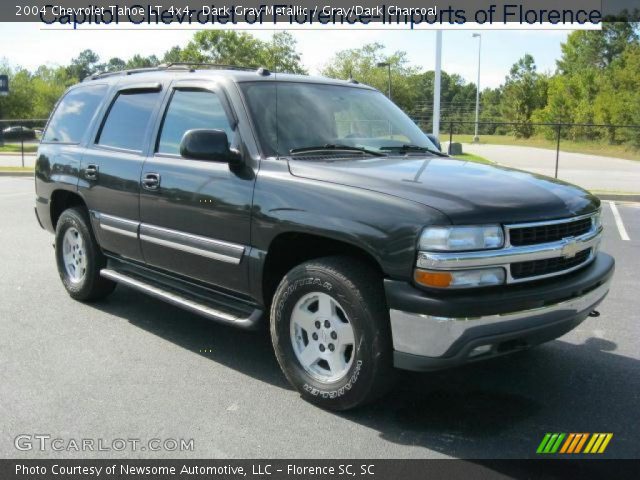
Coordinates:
<point>618,99</point>
<point>48,84</point>
<point>84,65</point>
<point>525,91</point>
<point>32,95</point>
<point>587,87</point>
<point>491,111</point>
<point>115,64</point>
<point>280,54</point>
<point>227,47</point>
<point>20,101</point>
<point>173,55</point>
<point>587,49</point>
<point>139,61</point>
<point>361,64</point>
<point>457,100</point>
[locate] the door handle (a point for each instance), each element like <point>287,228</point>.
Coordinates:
<point>151,181</point>
<point>91,172</point>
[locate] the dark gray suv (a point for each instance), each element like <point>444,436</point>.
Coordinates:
<point>318,207</point>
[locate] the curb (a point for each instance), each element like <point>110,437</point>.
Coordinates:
<point>16,174</point>
<point>621,197</point>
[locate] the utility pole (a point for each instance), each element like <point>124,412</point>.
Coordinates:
<point>436,85</point>
<point>388,65</point>
<point>476,139</point>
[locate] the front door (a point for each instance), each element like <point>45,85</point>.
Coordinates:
<point>195,214</point>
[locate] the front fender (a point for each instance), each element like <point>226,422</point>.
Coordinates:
<point>385,226</point>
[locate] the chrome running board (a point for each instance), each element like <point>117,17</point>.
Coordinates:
<point>179,299</point>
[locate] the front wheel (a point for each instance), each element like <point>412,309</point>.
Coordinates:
<point>330,332</point>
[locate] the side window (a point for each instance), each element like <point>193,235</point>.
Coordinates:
<point>187,110</point>
<point>73,114</point>
<point>127,120</point>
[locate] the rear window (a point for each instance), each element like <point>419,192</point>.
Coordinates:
<point>73,114</point>
<point>127,120</point>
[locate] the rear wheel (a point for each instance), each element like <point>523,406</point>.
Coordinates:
<point>79,257</point>
<point>330,332</point>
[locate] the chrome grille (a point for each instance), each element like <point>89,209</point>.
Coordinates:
<point>549,232</point>
<point>537,268</point>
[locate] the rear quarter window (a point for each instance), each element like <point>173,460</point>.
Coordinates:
<point>73,114</point>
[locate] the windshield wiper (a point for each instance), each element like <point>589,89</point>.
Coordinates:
<point>331,147</point>
<point>413,148</point>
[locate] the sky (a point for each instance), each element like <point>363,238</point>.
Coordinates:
<point>29,45</point>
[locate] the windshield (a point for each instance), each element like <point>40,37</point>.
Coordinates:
<point>292,116</point>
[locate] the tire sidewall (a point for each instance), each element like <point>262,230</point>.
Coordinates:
<point>355,385</point>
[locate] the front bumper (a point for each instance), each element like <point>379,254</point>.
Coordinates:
<point>439,330</point>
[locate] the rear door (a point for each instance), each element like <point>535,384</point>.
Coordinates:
<point>111,167</point>
<point>195,214</point>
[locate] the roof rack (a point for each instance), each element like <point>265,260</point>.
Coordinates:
<point>132,71</point>
<point>213,66</point>
<point>178,66</point>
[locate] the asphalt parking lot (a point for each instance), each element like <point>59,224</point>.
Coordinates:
<point>134,367</point>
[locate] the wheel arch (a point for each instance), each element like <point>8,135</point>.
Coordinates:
<point>62,200</point>
<point>290,249</point>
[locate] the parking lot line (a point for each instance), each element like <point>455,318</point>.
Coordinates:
<point>616,215</point>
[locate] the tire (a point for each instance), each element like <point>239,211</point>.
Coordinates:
<point>363,368</point>
<point>79,258</point>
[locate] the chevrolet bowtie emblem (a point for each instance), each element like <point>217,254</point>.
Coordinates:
<point>570,248</point>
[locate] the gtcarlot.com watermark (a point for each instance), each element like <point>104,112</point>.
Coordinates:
<point>28,442</point>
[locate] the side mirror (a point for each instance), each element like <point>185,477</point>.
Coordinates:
<point>203,144</point>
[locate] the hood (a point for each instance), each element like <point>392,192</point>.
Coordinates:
<point>467,192</point>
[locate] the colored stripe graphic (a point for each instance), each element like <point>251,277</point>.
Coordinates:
<point>543,443</point>
<point>573,443</point>
<point>598,443</point>
<point>556,445</point>
<point>590,444</point>
<point>576,439</point>
<point>567,443</point>
<point>605,443</point>
<point>551,443</point>
<point>581,443</point>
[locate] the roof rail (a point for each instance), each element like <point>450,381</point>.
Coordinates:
<point>214,66</point>
<point>132,71</point>
<point>176,66</point>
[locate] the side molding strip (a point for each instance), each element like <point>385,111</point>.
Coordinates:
<point>195,244</point>
<point>118,225</point>
<point>185,242</point>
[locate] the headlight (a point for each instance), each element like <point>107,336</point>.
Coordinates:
<point>454,238</point>
<point>481,277</point>
<point>597,220</point>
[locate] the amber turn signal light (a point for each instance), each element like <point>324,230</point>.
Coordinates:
<point>433,279</point>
